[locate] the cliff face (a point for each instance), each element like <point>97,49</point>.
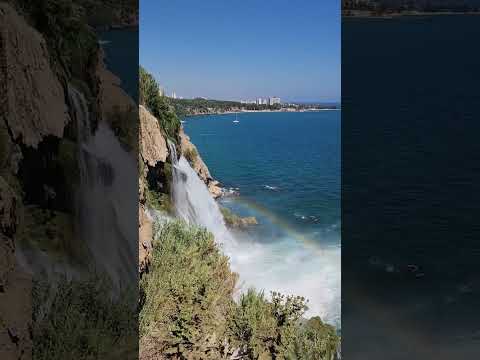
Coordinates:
<point>152,158</point>
<point>155,176</point>
<point>32,108</point>
<point>39,170</point>
<point>34,105</point>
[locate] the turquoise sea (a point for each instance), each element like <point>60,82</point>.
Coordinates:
<point>286,167</point>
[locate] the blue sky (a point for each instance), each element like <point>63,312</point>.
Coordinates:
<point>243,49</point>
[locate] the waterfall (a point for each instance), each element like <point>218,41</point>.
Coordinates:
<point>265,265</point>
<point>192,200</point>
<point>107,198</point>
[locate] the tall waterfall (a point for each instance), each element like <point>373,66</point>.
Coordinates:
<point>107,198</point>
<point>286,265</point>
<point>193,202</point>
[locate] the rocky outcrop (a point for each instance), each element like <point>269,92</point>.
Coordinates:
<point>33,105</point>
<point>145,237</point>
<point>232,220</point>
<point>153,153</point>
<point>198,165</point>
<point>154,175</point>
<point>153,147</point>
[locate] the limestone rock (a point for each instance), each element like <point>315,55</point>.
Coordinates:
<point>144,239</point>
<point>215,189</point>
<point>153,147</point>
<point>34,101</point>
<point>8,209</point>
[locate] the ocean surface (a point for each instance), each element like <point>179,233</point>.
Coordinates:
<point>410,187</point>
<point>286,167</point>
<point>121,56</point>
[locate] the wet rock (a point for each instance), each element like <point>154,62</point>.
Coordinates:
<point>34,100</point>
<point>145,240</point>
<point>153,147</point>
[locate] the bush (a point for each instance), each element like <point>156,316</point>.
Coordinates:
<point>267,329</point>
<point>159,201</point>
<point>149,96</point>
<point>63,24</point>
<point>190,154</point>
<point>187,294</point>
<point>316,340</point>
<point>188,311</point>
<point>80,320</point>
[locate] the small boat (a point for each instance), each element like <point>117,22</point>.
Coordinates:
<point>236,119</point>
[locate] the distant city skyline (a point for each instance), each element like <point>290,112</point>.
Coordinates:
<point>243,50</point>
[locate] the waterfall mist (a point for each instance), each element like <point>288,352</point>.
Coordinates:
<point>107,199</point>
<point>286,265</point>
<point>193,202</point>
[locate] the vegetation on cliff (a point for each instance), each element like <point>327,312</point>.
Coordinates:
<point>149,96</point>
<point>81,320</point>
<point>188,308</point>
<point>186,296</point>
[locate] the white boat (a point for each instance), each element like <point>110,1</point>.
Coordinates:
<point>236,119</point>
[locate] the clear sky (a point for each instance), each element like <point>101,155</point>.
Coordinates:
<point>243,49</point>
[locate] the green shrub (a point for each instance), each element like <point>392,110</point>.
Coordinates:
<point>267,329</point>
<point>81,320</point>
<point>188,311</point>
<point>149,96</point>
<point>190,154</point>
<point>159,201</point>
<point>71,42</point>
<point>186,295</point>
<point>316,340</point>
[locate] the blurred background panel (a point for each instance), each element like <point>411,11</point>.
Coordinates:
<point>69,179</point>
<point>410,175</point>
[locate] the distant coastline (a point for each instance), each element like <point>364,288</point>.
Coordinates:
<point>196,107</point>
<point>396,14</point>
<point>260,111</point>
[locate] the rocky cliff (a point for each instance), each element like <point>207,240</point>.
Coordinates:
<point>32,109</point>
<point>39,147</point>
<point>155,175</point>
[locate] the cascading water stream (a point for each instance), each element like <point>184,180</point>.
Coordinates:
<point>285,265</point>
<point>106,198</point>
<point>193,202</point>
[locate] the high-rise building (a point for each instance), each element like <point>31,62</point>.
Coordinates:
<point>174,95</point>
<point>274,100</point>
